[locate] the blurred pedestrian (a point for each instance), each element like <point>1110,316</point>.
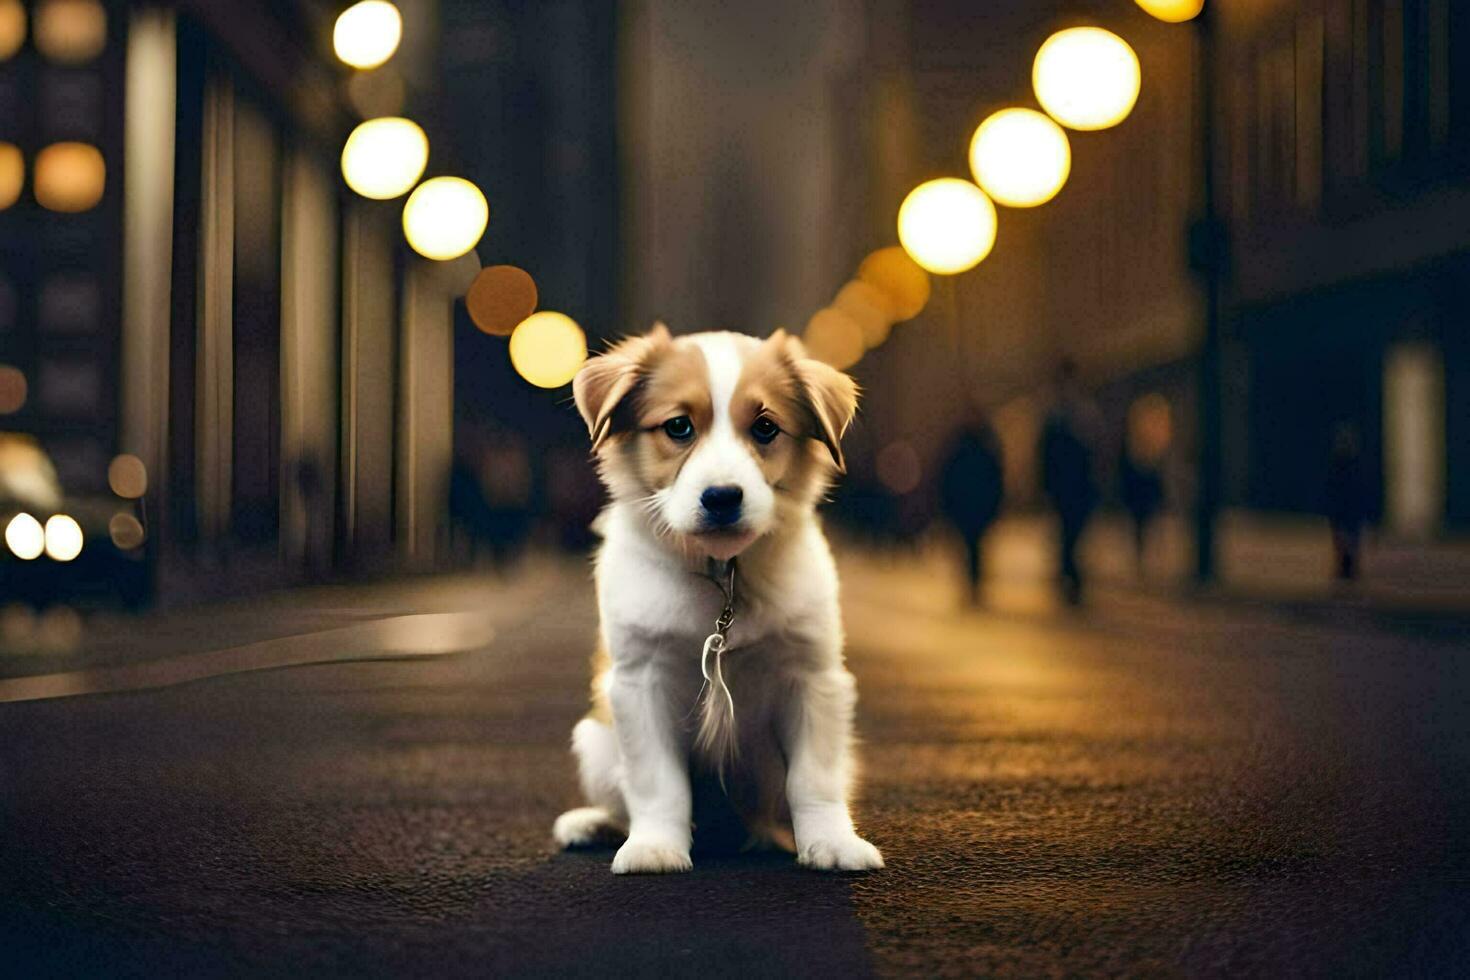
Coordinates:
<point>506,479</point>
<point>971,490</point>
<point>1068,472</point>
<point>1346,506</point>
<point>1141,467</point>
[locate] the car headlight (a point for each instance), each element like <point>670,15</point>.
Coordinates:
<point>24,537</point>
<point>63,537</point>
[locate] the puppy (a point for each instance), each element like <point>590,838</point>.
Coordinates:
<point>715,449</point>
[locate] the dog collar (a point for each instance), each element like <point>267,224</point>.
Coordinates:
<point>725,581</point>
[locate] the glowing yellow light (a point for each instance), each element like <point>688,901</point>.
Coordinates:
<point>70,177</point>
<point>900,278</point>
<point>947,225</point>
<point>445,217</point>
<point>12,28</point>
<point>367,33</point>
<point>868,307</point>
<point>384,158</point>
<point>126,531</point>
<point>12,174</point>
<point>63,537</point>
<point>547,349</point>
<point>1020,157</point>
<point>127,476</point>
<point>71,31</point>
<point>1086,78</point>
<point>834,337</point>
<point>1173,11</point>
<point>24,537</point>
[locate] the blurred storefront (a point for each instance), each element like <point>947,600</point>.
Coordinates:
<point>1342,156</point>
<point>186,280</point>
<point>1346,128</point>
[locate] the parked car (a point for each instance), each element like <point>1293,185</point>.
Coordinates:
<point>60,547</point>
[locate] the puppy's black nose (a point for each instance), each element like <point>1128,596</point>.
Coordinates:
<point>722,504</point>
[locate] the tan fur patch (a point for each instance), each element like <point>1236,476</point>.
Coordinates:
<point>601,709</point>
<point>677,383</point>
<point>770,384</point>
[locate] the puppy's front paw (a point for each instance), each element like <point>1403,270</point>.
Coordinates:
<point>584,826</point>
<point>650,857</point>
<point>850,853</point>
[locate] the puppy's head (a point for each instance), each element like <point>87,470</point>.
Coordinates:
<point>718,436</point>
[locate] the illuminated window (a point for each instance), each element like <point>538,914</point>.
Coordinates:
<point>12,174</point>
<point>70,177</point>
<point>12,28</point>
<point>71,31</point>
<point>12,389</point>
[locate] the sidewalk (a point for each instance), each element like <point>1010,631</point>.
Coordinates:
<point>1267,564</point>
<point>61,640</point>
<point>1288,559</point>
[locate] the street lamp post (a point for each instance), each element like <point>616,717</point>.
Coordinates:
<point>1207,255</point>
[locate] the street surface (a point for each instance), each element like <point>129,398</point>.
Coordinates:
<point>1145,787</point>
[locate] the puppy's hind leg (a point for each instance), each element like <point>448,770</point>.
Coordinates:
<point>606,817</point>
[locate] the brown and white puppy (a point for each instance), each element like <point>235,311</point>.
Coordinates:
<point>713,446</point>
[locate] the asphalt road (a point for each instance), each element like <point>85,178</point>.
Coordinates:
<point>1146,788</point>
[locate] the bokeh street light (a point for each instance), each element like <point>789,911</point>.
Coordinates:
<point>1173,11</point>
<point>868,307</point>
<point>384,158</point>
<point>126,531</point>
<point>500,298</point>
<point>900,279</point>
<point>367,33</point>
<point>1020,157</point>
<point>947,225</point>
<point>834,337</point>
<point>547,348</point>
<point>127,476</point>
<point>1086,78</point>
<point>445,218</point>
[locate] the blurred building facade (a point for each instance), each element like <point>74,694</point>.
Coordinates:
<point>1340,139</point>
<point>224,309</point>
<point>1345,129</point>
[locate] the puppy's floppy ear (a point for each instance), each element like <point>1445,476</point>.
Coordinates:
<point>604,381</point>
<point>829,395</point>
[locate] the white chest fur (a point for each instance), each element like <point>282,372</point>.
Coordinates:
<point>654,605</point>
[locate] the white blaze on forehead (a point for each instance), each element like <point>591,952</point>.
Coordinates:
<point>722,358</point>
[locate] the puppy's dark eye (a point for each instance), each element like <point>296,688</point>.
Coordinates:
<point>679,428</point>
<point>764,430</point>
